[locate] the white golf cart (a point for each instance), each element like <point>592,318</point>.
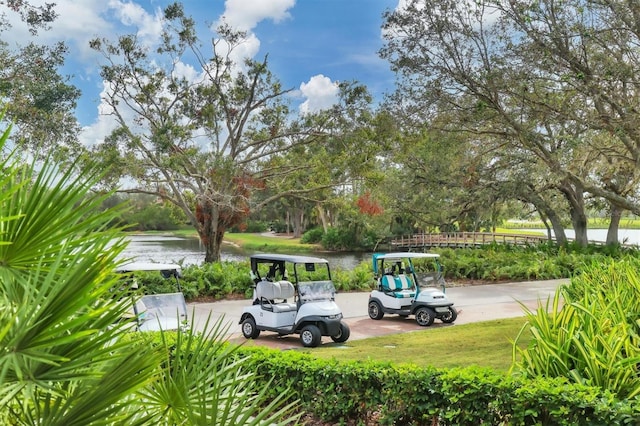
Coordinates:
<point>399,290</point>
<point>153,312</point>
<point>304,305</point>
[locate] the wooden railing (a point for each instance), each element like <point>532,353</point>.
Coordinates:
<point>463,239</point>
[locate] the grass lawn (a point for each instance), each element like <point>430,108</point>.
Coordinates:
<point>484,344</point>
<point>256,242</point>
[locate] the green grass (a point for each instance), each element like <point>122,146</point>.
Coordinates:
<point>484,344</point>
<point>268,243</point>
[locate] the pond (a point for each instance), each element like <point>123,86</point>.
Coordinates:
<point>189,251</point>
<point>625,236</point>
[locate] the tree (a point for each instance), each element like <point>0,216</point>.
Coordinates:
<point>194,142</point>
<point>213,139</point>
<point>36,17</point>
<point>311,177</point>
<point>39,100</point>
<point>516,71</point>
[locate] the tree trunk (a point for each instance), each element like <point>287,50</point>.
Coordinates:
<point>574,195</point>
<point>323,217</point>
<point>297,220</point>
<point>210,230</point>
<point>614,224</point>
<point>544,209</point>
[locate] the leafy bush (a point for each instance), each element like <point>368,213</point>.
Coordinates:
<point>312,236</point>
<point>591,334</point>
<point>540,262</point>
<point>338,239</point>
<point>359,278</point>
<point>401,394</point>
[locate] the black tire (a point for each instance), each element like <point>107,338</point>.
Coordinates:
<point>450,316</point>
<point>375,310</point>
<point>425,316</point>
<point>310,336</point>
<point>249,328</point>
<point>343,335</point>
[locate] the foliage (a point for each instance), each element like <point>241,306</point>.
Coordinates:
<point>41,102</point>
<point>535,262</point>
<point>338,239</point>
<point>252,226</point>
<point>152,217</point>
<point>359,278</point>
<point>201,380</point>
<point>62,363</point>
<point>312,236</point>
<point>68,357</point>
<point>398,393</point>
<point>591,334</point>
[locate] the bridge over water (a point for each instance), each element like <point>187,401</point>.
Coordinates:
<point>463,239</point>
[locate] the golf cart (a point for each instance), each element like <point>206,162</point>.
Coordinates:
<point>293,294</point>
<point>153,312</point>
<point>399,290</point>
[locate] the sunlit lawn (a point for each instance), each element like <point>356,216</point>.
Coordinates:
<point>272,243</point>
<point>485,344</point>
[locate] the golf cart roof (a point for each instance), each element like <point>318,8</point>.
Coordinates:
<point>147,266</point>
<point>266,257</point>
<point>405,255</point>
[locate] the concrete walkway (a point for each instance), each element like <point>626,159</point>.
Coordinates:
<point>474,303</point>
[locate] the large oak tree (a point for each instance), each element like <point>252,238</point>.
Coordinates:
<point>206,137</point>
<point>549,79</point>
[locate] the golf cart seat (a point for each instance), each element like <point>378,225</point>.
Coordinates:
<point>398,286</point>
<point>273,295</point>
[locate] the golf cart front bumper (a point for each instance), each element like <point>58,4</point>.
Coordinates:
<point>328,325</point>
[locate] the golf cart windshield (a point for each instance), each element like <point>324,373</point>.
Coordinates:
<point>316,290</point>
<point>166,311</point>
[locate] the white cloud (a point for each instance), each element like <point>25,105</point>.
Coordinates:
<point>321,93</point>
<point>244,15</point>
<point>149,26</point>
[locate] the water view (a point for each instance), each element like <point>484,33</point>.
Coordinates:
<point>189,251</point>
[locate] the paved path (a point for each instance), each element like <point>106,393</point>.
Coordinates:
<point>474,303</point>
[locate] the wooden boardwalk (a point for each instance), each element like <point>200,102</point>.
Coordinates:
<point>463,239</point>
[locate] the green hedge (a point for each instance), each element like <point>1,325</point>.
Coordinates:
<point>399,394</point>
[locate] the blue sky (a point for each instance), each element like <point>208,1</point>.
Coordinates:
<point>312,44</point>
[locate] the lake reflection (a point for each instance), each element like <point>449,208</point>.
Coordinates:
<point>189,251</point>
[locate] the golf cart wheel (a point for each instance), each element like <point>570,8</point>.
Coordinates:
<point>310,336</point>
<point>249,328</point>
<point>425,316</point>
<point>450,316</point>
<point>343,335</point>
<point>375,310</point>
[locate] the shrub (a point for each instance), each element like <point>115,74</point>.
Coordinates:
<point>312,236</point>
<point>338,239</point>
<point>590,334</point>
<point>402,394</point>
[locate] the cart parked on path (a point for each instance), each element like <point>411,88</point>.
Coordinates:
<point>399,290</point>
<point>293,295</point>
